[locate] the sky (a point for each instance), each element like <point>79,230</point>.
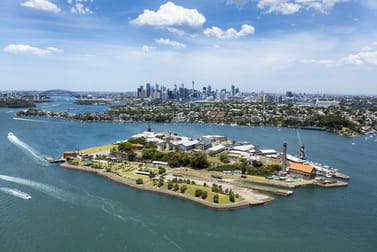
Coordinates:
<point>312,46</point>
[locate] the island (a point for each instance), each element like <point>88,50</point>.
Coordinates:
<point>212,170</point>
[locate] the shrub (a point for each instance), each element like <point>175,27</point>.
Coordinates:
<point>183,188</point>
<point>231,196</point>
<point>170,185</point>
<point>216,198</point>
<point>204,194</point>
<point>176,187</point>
<point>198,193</point>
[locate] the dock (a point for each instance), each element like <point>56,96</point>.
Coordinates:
<point>52,160</point>
<point>266,189</point>
<point>341,175</point>
<point>328,183</point>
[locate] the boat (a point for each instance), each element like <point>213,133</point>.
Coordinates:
<point>10,134</point>
<point>16,193</point>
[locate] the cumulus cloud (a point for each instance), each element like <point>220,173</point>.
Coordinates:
<point>20,48</point>
<point>43,5</point>
<point>231,33</point>
<point>169,42</point>
<point>171,15</point>
<point>361,58</point>
<point>366,57</point>
<point>287,7</point>
<point>80,7</point>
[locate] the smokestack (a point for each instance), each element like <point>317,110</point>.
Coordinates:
<point>284,158</point>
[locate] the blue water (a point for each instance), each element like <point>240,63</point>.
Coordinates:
<point>76,211</point>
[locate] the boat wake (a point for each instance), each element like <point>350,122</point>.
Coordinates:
<point>13,139</point>
<point>15,192</point>
<point>108,206</point>
<point>29,120</point>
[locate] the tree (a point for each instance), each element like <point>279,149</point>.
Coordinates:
<point>131,155</point>
<point>183,188</point>
<point>212,153</point>
<point>243,166</point>
<point>149,153</point>
<point>176,187</point>
<point>231,196</point>
<point>257,163</point>
<point>198,192</point>
<point>216,198</point>
<point>204,195</point>
<point>170,185</point>
<point>199,160</point>
<point>125,147</point>
<point>139,181</point>
<point>160,182</point>
<point>224,158</point>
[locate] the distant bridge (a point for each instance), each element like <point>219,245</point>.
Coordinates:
<point>60,92</point>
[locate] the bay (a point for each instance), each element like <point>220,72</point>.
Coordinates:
<point>76,211</point>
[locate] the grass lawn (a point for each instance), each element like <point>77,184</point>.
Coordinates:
<point>98,148</point>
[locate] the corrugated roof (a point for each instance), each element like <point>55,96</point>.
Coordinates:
<point>301,167</point>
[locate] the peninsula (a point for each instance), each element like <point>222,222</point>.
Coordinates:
<point>212,170</point>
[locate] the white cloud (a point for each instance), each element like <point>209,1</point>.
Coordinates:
<point>366,57</point>
<point>231,33</point>
<point>169,42</point>
<point>287,7</point>
<point>79,6</point>
<point>43,5</point>
<point>20,48</point>
<point>171,15</point>
<point>279,6</point>
<point>147,49</point>
<point>179,32</point>
<point>361,58</point>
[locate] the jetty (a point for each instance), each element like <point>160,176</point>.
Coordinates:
<point>52,160</point>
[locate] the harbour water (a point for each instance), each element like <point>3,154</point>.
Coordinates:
<point>77,211</point>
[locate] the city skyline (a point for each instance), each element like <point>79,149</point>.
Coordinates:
<point>314,46</point>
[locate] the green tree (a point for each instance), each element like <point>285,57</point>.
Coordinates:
<point>199,160</point>
<point>183,188</point>
<point>257,163</point>
<point>198,193</point>
<point>125,147</point>
<point>231,196</point>
<point>170,185</point>
<point>212,153</point>
<point>224,158</point>
<point>204,195</point>
<point>176,187</point>
<point>139,181</point>
<point>216,198</point>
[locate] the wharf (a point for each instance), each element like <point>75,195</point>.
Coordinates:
<point>266,189</point>
<point>53,160</point>
<point>341,175</point>
<point>328,183</point>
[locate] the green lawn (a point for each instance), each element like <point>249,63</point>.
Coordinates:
<point>99,148</point>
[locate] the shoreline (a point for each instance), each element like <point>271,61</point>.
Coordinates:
<point>115,178</point>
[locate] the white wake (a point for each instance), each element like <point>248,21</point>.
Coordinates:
<point>15,192</point>
<point>13,139</point>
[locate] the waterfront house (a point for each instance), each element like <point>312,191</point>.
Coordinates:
<point>302,170</point>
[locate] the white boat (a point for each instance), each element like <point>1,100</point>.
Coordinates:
<point>10,134</point>
<point>16,193</point>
